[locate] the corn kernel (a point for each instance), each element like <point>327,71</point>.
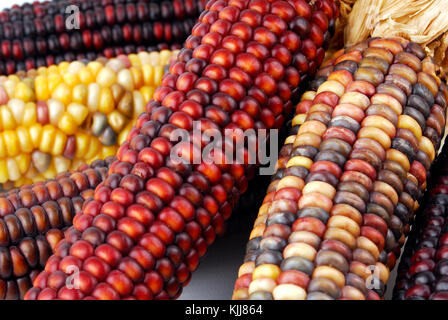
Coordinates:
<point>147,92</point>
<point>148,74</point>
<point>67,124</point>
<point>93,97</point>
<point>47,138</point>
<point>116,120</point>
<point>108,151</point>
<point>61,164</point>
<point>10,87</point>
<point>94,67</point>
<point>49,173</point>
<point>24,92</point>
<point>82,144</point>
<point>8,122</point>
<point>3,153</point>
<point>53,80</point>
<point>139,104</point>
<point>59,143</point>
<point>78,111</point>
<point>63,93</point>
<point>23,161</point>
<point>3,171</point>
<point>71,79</point>
<point>85,75</point>
<point>125,79</point>
<point>158,74</point>
<point>17,108</point>
<point>63,67</point>
<point>80,93</point>
<point>93,148</point>
<point>13,169</point>
<point>12,143</point>
<point>35,131</point>
<point>41,88</point>
<point>106,102</point>
<point>106,77</point>
<point>26,144</point>
<point>75,67</point>
<point>55,111</point>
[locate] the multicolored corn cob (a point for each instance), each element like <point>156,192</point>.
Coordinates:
<point>337,211</point>
<point>32,222</point>
<point>43,34</point>
<point>54,119</point>
<point>238,70</point>
<point>422,272</point>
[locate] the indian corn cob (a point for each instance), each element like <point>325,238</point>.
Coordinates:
<point>422,270</point>
<point>339,206</point>
<point>238,69</point>
<point>54,119</point>
<point>32,222</point>
<point>44,34</point>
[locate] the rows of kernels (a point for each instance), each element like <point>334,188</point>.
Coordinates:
<point>32,222</point>
<point>105,29</point>
<point>349,199</point>
<point>59,117</point>
<point>184,206</point>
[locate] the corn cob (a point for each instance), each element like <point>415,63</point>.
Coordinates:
<point>54,119</point>
<point>32,222</point>
<point>338,208</point>
<point>421,273</point>
<point>102,27</point>
<point>165,214</point>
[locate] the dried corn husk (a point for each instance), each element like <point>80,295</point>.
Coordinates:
<point>421,21</point>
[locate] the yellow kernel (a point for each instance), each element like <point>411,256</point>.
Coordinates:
<point>2,147</point>
<point>8,122</point>
<point>158,74</point>
<point>106,102</point>
<point>41,88</point>
<point>10,87</point>
<point>85,75</point>
<point>3,171</point>
<point>17,108</point>
<point>134,59</point>
<point>147,92</point>
<point>125,79</point>
<point>93,97</point>
<point>116,120</point>
<point>93,148</point>
<point>78,111</point>
<point>23,92</point>
<point>108,151</point>
<point>148,74</point>
<point>61,164</point>
<point>79,94</point>
<point>13,169</point>
<point>29,114</point>
<point>67,124</point>
<point>55,111</point>
<point>137,76</point>
<point>63,67</point>
<point>12,143</point>
<point>71,79</point>
<point>82,144</point>
<point>53,81</point>
<point>49,173</point>
<point>124,133</point>
<point>47,138</point>
<point>106,77</point>
<point>63,93</point>
<point>23,161</point>
<point>164,56</point>
<point>75,67</point>
<point>26,144</point>
<point>94,67</point>
<point>139,104</point>
<point>60,140</point>
<point>14,77</point>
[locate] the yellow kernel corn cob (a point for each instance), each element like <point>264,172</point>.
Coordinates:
<point>55,118</point>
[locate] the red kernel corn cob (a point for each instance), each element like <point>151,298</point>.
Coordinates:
<point>349,179</point>
<point>238,70</point>
<point>32,222</point>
